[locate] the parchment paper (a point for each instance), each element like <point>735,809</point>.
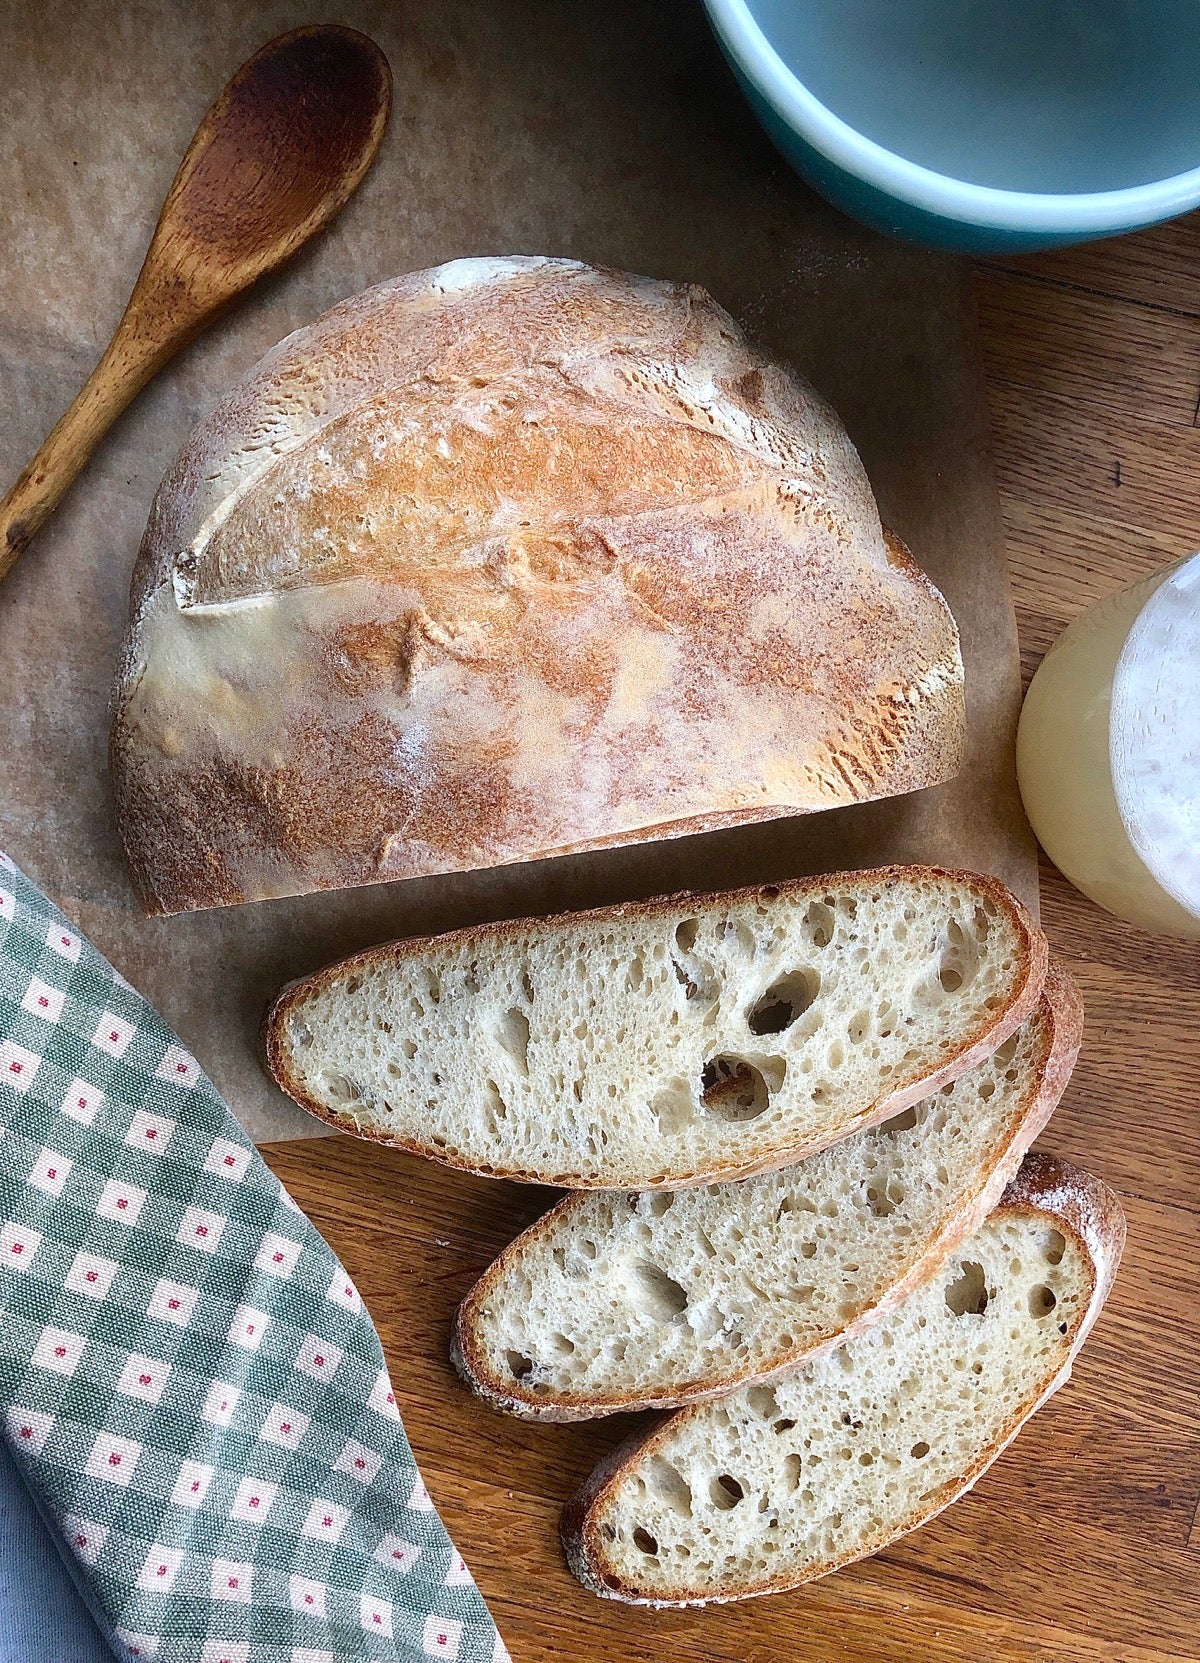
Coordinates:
<point>608,130</point>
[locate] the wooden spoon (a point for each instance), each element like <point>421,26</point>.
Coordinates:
<point>283,148</point>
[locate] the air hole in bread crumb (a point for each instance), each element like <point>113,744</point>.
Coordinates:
<point>902,1122</point>
<point>667,1483</point>
<point>512,1033</point>
<point>519,1365</point>
<point>342,1089</point>
<point>1005,1053</point>
<point>645,1542</point>
<point>763,1401</point>
<point>674,1107</point>
<point>794,1202</point>
<point>818,923</point>
<point>883,1202</point>
<point>784,1001</point>
<point>1054,1247</point>
<point>733,1089</point>
<point>1042,1300</point>
<point>791,1471</point>
<point>685,934</point>
<point>656,1294</point>
<point>919,1450</point>
<point>495,1107</point>
<point>725,1491</point>
<point>694,976</point>
<point>661,1203</point>
<point>353,985</point>
<point>735,936</point>
<point>968,1295</point>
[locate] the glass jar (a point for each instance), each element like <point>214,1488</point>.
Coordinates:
<point>1108,752</point>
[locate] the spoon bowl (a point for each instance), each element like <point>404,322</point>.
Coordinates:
<point>280,152</point>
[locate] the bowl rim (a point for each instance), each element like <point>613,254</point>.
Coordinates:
<point>750,48</point>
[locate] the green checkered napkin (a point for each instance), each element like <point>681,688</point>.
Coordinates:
<point>188,1378</point>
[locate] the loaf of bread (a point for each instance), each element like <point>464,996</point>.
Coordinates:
<point>507,559</point>
<point>778,1484</point>
<point>665,1043</point>
<point>634,1301</point>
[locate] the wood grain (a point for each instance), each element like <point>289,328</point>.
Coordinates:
<point>1082,1545</point>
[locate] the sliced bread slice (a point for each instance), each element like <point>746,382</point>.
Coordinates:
<point>776,1485</point>
<point>617,1301</point>
<point>669,1042</point>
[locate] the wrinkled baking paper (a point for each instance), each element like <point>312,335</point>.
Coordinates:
<point>602,130</point>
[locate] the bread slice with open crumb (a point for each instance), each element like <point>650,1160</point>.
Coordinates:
<point>619,1301</point>
<point>670,1042</point>
<point>778,1484</point>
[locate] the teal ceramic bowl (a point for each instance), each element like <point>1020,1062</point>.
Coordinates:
<point>980,125</point>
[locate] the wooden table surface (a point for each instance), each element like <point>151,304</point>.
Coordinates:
<point>1083,1542</point>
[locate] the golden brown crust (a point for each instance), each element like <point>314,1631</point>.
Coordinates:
<point>1061,1015</point>
<point>505,560</point>
<point>987,1036</point>
<point>1078,1202</point>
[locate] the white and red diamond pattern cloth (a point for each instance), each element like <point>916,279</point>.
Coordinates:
<point>189,1382</point>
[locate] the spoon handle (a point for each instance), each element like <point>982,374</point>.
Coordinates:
<point>131,358</point>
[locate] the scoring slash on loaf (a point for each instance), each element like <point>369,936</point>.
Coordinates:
<point>665,1043</point>
<point>615,1302</point>
<point>778,1484</point>
<point>506,559</point>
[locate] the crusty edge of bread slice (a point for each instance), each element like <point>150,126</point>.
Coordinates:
<point>1064,1009</point>
<point>1078,1202</point>
<point>986,1038</point>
